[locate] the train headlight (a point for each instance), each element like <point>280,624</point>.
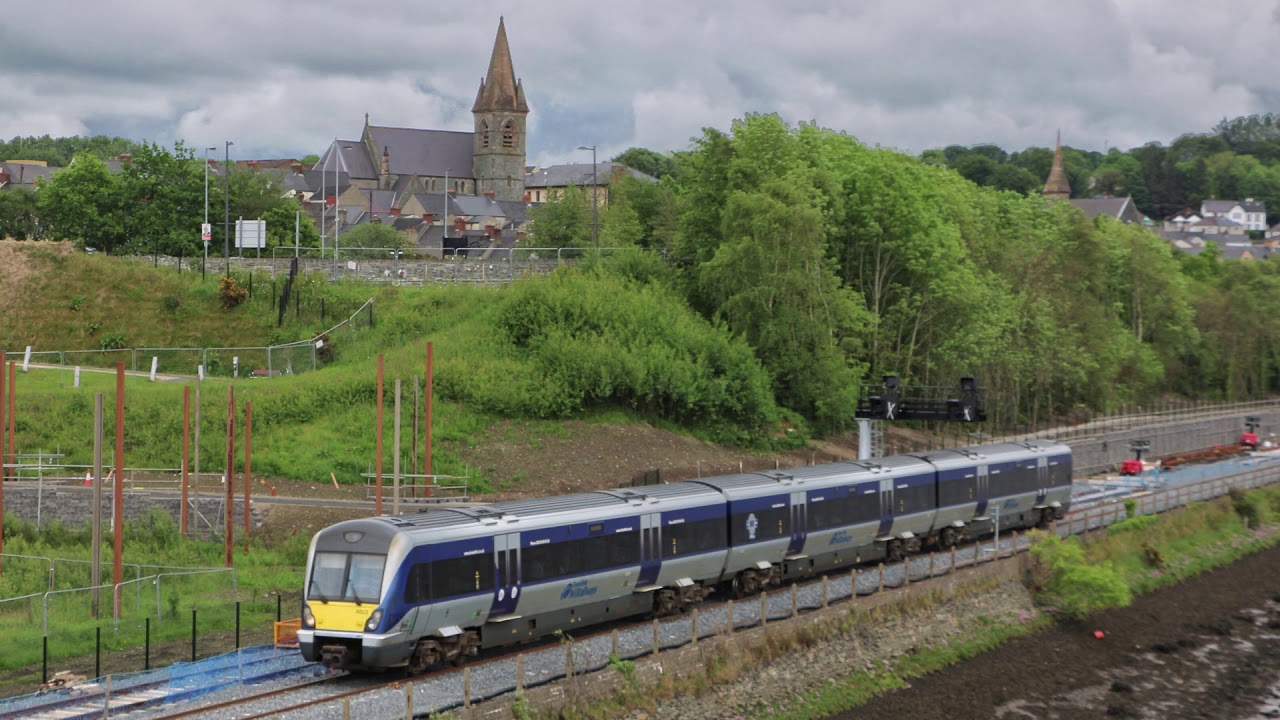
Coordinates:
<point>308,620</point>
<point>374,619</point>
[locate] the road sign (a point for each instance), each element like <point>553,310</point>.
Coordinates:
<point>206,232</point>
<point>251,234</point>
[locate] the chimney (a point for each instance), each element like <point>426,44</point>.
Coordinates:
<point>489,194</point>
<point>395,212</point>
<point>528,198</point>
<point>253,164</point>
<point>126,159</point>
<point>459,224</point>
<point>428,218</point>
<point>296,167</point>
<point>488,230</point>
<point>342,216</point>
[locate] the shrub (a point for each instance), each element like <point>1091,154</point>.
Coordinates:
<point>1247,507</point>
<point>1132,524</point>
<point>230,293</point>
<point>1066,579</point>
<point>1130,508</point>
<point>114,341</point>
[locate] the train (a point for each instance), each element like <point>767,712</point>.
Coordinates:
<point>433,588</point>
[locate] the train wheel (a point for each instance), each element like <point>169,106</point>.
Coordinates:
<point>746,583</point>
<point>1046,518</point>
<point>895,551</point>
<point>947,538</point>
<point>426,655</point>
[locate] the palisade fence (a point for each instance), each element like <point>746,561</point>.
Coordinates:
<point>266,361</point>
<point>166,615</point>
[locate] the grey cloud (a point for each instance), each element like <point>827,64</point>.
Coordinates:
<point>283,77</point>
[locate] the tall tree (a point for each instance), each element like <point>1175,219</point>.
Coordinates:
<point>83,203</point>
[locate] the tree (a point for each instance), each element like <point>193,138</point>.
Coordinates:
<point>373,235</point>
<point>649,162</point>
<point>20,215</point>
<point>163,194</point>
<point>83,203</point>
<point>563,222</point>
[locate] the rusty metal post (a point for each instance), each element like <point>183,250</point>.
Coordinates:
<point>4,450</point>
<point>881,573</point>
<point>13,412</point>
<point>427,468</point>
<point>229,481</point>
<point>186,452</point>
<point>118,491</point>
<point>764,608</point>
<point>377,460</point>
<point>248,470</point>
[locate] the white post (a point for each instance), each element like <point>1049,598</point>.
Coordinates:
<point>395,464</point>
<point>864,439</point>
<point>155,363</point>
<point>77,376</point>
<point>235,366</point>
<point>199,371</point>
<point>26,359</point>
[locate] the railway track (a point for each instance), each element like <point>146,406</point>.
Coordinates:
<point>531,665</point>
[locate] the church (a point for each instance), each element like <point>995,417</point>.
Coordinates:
<point>446,189</point>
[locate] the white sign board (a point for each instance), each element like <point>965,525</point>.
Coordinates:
<point>251,234</point>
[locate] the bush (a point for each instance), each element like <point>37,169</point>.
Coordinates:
<point>1247,506</point>
<point>1067,581</point>
<point>1132,524</point>
<point>230,293</point>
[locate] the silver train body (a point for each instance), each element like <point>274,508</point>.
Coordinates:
<point>424,589</point>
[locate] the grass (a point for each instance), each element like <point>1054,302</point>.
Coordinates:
<point>261,573</point>
<point>311,424</point>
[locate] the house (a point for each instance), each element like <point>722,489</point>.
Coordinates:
<point>16,174</point>
<point>544,184</point>
<point>1251,214</point>
<point>1274,232</point>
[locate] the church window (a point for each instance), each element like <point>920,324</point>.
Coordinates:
<point>508,134</point>
<point>484,133</point>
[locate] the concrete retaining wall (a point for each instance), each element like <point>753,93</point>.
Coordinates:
<point>1105,452</point>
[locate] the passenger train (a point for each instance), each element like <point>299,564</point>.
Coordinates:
<point>424,589</point>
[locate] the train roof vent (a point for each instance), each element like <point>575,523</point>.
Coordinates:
<point>632,497</point>
<point>779,476</point>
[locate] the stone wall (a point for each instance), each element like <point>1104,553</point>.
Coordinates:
<point>73,506</point>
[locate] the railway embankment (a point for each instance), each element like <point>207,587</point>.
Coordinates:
<point>828,660</point>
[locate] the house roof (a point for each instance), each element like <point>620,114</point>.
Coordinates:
<point>425,153</point>
<point>24,174</point>
<point>1251,205</point>
<point>1112,207</point>
<point>1217,206</point>
<point>348,156</point>
<point>579,174</point>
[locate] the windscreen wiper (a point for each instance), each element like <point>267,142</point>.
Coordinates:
<point>319,594</point>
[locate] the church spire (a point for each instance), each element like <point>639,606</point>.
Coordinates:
<point>1057,185</point>
<point>500,91</point>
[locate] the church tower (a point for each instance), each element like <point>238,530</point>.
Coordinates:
<point>1057,185</point>
<point>500,111</point>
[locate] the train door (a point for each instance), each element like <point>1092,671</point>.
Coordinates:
<point>886,509</point>
<point>799,524</point>
<point>984,491</point>
<point>1042,479</point>
<point>650,549</point>
<point>506,586</point>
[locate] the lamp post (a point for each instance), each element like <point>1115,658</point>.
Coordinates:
<point>444,228</point>
<point>204,242</point>
<point>595,197</point>
<point>226,219</point>
<point>337,219</point>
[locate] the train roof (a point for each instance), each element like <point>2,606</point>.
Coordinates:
<point>1002,452</point>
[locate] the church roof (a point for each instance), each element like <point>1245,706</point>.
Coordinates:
<point>579,174</point>
<point>1057,185</point>
<point>500,91</point>
<point>425,153</point>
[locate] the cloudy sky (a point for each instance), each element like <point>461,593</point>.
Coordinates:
<point>281,78</point>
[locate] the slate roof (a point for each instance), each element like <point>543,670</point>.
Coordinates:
<point>24,175</point>
<point>425,153</point>
<point>315,181</point>
<point>351,157</point>
<point>1112,207</point>
<point>1217,206</point>
<point>1256,206</point>
<point>556,176</point>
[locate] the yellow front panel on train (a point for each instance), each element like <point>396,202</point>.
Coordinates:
<point>341,615</point>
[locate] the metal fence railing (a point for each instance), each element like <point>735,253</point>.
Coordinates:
<point>250,361</point>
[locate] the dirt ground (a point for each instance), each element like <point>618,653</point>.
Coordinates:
<point>15,270</point>
<point>1208,648</point>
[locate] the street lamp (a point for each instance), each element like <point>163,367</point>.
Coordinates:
<point>444,227</point>
<point>337,220</point>
<point>595,197</point>
<point>226,219</point>
<point>206,212</point>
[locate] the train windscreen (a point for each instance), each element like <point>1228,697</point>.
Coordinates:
<point>346,577</point>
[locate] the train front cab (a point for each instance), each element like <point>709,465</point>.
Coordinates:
<point>348,567</point>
